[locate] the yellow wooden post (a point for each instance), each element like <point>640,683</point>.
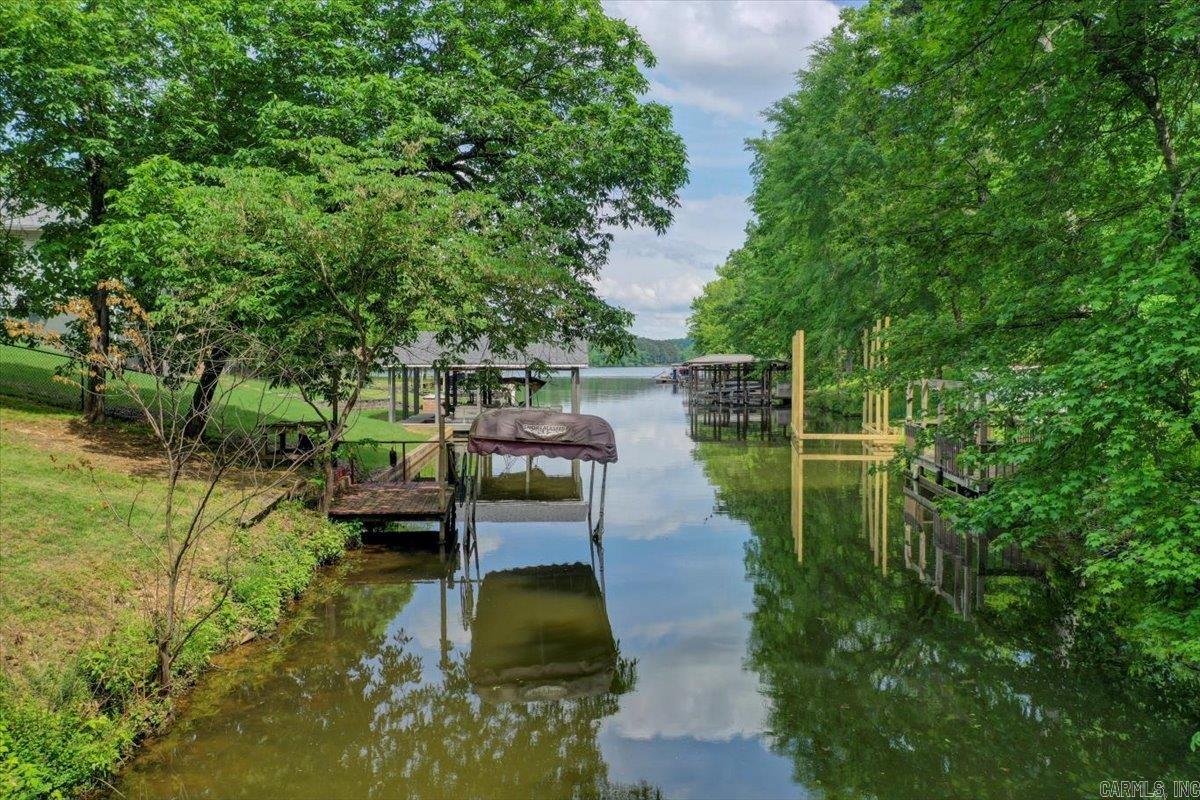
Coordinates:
<point>866,518</point>
<point>885,492</point>
<point>798,504</point>
<point>886,423</point>
<point>866,366</point>
<point>798,383</point>
<point>873,416</point>
<point>881,488</point>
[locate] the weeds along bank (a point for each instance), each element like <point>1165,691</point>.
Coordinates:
<point>77,683</point>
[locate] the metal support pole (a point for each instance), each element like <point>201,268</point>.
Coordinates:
<point>591,487</point>
<point>600,517</point>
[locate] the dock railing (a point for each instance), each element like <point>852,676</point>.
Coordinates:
<point>387,460</point>
<point>951,456</point>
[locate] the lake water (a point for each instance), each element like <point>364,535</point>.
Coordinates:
<point>754,627</point>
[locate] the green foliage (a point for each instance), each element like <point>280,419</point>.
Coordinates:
<point>284,566</point>
<point>1015,186</point>
<point>65,737</point>
<point>536,107</point>
<point>48,753</point>
<point>121,668</point>
<point>645,353</point>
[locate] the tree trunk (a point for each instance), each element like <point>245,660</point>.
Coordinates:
<point>93,396</point>
<point>327,497</point>
<point>214,365</point>
<point>165,662</point>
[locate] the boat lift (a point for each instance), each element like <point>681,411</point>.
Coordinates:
<point>539,432</point>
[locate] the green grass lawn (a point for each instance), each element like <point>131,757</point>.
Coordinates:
<point>80,506</point>
<point>30,374</point>
<point>81,517</point>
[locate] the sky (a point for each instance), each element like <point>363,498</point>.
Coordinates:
<point>721,63</point>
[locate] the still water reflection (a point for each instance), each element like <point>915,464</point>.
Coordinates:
<point>758,630</point>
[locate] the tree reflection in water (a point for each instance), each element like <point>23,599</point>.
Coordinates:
<point>877,688</point>
<point>347,703</point>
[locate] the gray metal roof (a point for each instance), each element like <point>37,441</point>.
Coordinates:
<point>425,352</point>
<point>722,358</point>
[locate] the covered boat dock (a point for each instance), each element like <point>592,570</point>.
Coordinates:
<point>466,382</point>
<point>734,379</point>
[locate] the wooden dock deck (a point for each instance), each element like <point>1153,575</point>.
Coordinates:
<point>382,502</point>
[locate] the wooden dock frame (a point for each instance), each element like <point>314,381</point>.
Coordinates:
<point>875,497</point>
<point>877,429</point>
<point>383,502</point>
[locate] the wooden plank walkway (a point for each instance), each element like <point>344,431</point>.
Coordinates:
<point>393,501</point>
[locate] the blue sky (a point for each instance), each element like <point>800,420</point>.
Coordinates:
<point>720,64</point>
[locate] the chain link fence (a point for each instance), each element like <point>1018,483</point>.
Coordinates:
<point>54,378</point>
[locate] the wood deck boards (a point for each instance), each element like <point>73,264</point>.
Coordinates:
<point>424,500</point>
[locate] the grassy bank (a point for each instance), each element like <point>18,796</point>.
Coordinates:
<point>75,594</point>
<point>29,374</point>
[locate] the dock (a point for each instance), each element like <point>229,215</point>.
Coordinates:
<point>379,503</point>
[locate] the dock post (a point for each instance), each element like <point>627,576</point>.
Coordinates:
<point>441,426</point>
<point>404,391</point>
<point>527,398</point>
<point>798,505</point>
<point>886,422</point>
<point>575,390</point>
<point>391,394</point>
<point>798,383</point>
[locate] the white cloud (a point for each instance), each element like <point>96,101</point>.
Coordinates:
<point>698,96</point>
<point>719,64</point>
<point>665,294</point>
<point>691,682</point>
<point>733,58</point>
<point>656,277</point>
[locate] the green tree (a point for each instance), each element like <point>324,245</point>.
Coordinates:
<point>87,91</point>
<point>333,267</point>
<point>536,105</point>
<point>1015,185</point>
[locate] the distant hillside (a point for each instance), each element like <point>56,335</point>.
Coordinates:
<point>647,353</point>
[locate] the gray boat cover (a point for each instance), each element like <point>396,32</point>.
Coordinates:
<point>541,432</point>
